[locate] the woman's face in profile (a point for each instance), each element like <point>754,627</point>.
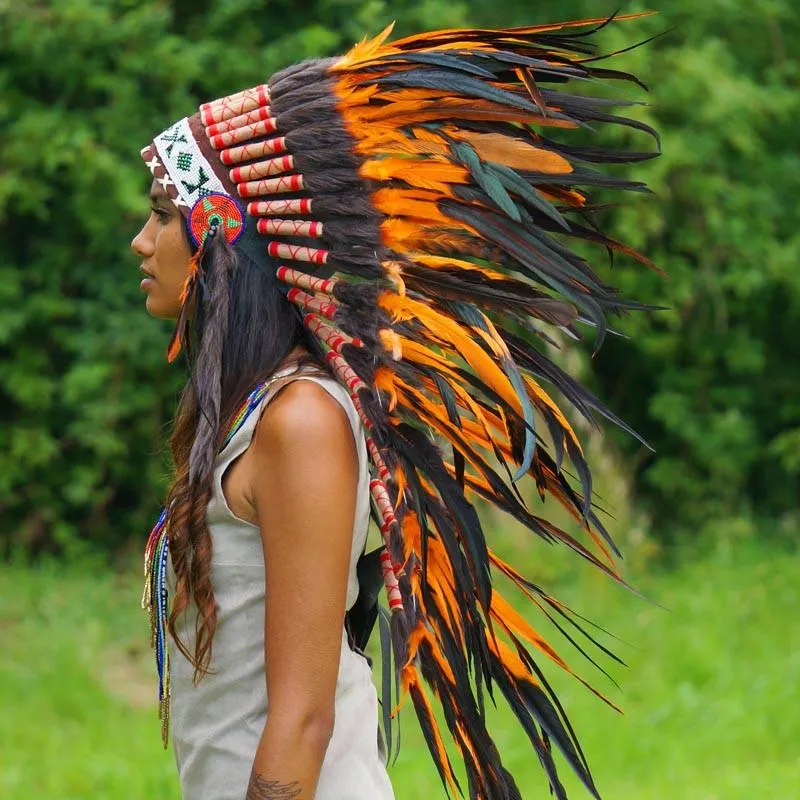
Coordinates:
<point>163,246</point>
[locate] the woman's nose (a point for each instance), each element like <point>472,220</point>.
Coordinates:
<point>141,245</point>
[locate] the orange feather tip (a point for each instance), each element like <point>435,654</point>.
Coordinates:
<point>364,51</point>
<point>174,348</point>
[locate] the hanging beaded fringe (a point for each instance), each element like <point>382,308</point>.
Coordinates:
<point>155,598</point>
<point>156,601</point>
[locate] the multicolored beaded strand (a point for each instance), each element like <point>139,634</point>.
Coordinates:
<point>155,600</point>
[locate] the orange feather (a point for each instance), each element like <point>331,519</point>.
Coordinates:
<point>423,173</point>
<point>397,203</point>
<point>516,153</point>
<point>451,331</point>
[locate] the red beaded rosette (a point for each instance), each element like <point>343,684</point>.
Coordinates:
<point>215,210</point>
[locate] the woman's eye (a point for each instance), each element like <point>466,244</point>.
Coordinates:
<point>162,215</point>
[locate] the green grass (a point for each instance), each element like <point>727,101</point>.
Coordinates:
<point>710,692</point>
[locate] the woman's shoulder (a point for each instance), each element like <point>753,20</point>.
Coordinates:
<point>307,410</point>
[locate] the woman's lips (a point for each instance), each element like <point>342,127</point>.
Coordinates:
<point>147,281</point>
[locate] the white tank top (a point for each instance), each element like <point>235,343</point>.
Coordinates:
<point>217,724</point>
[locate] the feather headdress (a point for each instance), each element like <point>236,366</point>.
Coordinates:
<point>419,203</point>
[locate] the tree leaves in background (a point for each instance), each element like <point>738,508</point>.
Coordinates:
<point>86,396</point>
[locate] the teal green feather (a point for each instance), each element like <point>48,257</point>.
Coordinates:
<point>486,180</point>
<point>512,372</point>
<point>512,181</point>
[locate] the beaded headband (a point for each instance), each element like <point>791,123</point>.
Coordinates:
<point>189,160</point>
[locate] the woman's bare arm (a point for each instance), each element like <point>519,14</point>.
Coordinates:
<point>305,476</point>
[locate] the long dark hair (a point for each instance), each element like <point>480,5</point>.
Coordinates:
<point>243,328</point>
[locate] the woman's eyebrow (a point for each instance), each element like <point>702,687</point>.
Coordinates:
<point>157,198</point>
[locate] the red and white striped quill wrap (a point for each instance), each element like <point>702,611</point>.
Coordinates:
<point>228,107</point>
<point>253,150</point>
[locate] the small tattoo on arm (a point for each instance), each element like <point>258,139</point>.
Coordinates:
<point>262,789</point>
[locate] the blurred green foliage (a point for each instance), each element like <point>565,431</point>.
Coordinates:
<point>86,396</point>
<point>713,383</point>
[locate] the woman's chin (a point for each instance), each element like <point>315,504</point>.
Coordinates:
<point>160,310</point>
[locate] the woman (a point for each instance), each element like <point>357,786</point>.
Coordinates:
<point>419,174</point>
<point>301,436</point>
